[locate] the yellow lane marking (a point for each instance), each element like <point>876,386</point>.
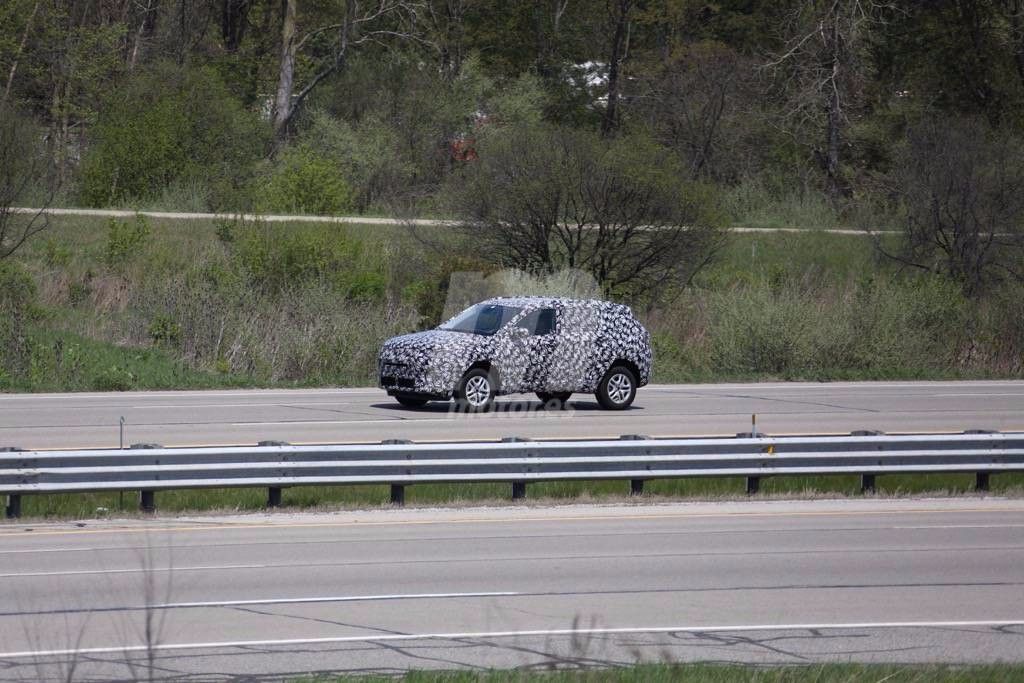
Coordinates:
<point>496,520</point>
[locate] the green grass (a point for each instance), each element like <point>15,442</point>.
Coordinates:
<point>176,310</point>
<point>63,361</point>
<point>66,506</point>
<point>723,673</point>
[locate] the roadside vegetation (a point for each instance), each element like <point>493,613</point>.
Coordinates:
<point>121,304</point>
<point>622,139</point>
<point>227,501</point>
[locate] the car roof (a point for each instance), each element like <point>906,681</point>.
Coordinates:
<point>554,302</point>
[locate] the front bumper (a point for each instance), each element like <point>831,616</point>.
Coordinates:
<point>398,378</point>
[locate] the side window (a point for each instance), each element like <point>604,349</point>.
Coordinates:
<point>541,321</point>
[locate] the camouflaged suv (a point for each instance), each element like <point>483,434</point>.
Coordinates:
<point>553,347</point>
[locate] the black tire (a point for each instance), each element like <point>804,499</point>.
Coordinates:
<point>617,388</point>
<point>475,393</point>
<point>554,401</point>
<point>411,401</point>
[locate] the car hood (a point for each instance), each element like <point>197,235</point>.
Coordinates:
<point>428,342</point>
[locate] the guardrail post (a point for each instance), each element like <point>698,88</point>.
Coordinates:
<point>753,484</point>
<point>147,499</point>
<point>273,492</point>
<point>518,487</point>
<point>981,479</point>
<point>867,483</point>
<point>397,490</point>
<point>636,486</point>
<point>13,508</point>
<point>397,495</point>
<point>274,497</point>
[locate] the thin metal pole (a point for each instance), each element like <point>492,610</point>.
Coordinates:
<point>120,494</point>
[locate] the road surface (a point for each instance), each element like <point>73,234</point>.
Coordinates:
<point>37,421</point>
<point>389,590</point>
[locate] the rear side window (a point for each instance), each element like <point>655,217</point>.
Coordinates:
<point>541,321</point>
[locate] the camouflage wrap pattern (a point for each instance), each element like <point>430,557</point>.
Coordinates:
<point>589,337</point>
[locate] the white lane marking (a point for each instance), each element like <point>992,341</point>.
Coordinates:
<point>1019,395</point>
<point>962,526</point>
<point>156,395</point>
<point>253,404</point>
<point>373,638</point>
<point>336,598</point>
<point>89,572</point>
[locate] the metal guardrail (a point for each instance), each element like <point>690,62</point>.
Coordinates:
<point>276,465</point>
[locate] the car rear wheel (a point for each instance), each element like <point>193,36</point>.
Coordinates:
<point>617,388</point>
<point>411,401</point>
<point>554,401</point>
<point>475,392</point>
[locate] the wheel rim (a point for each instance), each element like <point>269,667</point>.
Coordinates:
<point>478,390</point>
<point>620,386</point>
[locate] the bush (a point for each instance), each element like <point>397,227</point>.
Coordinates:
<point>170,126</point>
<point>875,328</point>
<point>305,182</point>
<point>124,241</point>
<point>277,257</point>
<point>113,378</point>
<point>18,300</point>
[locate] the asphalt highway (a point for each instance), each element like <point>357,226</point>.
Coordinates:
<point>388,590</point>
<point>37,421</point>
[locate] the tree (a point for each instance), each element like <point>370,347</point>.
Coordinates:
<point>700,104</point>
<point>545,198</point>
<point>22,171</point>
<point>350,25</point>
<point>619,15</point>
<point>167,125</point>
<point>820,73</point>
<point>957,185</point>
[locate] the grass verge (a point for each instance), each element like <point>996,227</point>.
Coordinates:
<point>88,505</point>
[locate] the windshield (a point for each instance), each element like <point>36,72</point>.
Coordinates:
<point>485,319</point>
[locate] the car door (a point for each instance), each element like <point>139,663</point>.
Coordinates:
<point>542,341</point>
<point>524,349</point>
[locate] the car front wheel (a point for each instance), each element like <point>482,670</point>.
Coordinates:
<point>617,388</point>
<point>475,392</point>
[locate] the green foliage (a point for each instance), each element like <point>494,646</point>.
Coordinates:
<point>791,328</point>
<point>164,330</point>
<point>18,301</point>
<point>124,241</point>
<point>275,257</point>
<point>305,182</point>
<point>366,154</point>
<point>167,125</point>
<point>113,378</point>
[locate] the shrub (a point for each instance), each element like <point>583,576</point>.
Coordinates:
<point>113,378</point>
<point>18,299</point>
<point>124,241</point>
<point>170,126</point>
<point>305,182</point>
<point>276,257</point>
<point>876,328</point>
